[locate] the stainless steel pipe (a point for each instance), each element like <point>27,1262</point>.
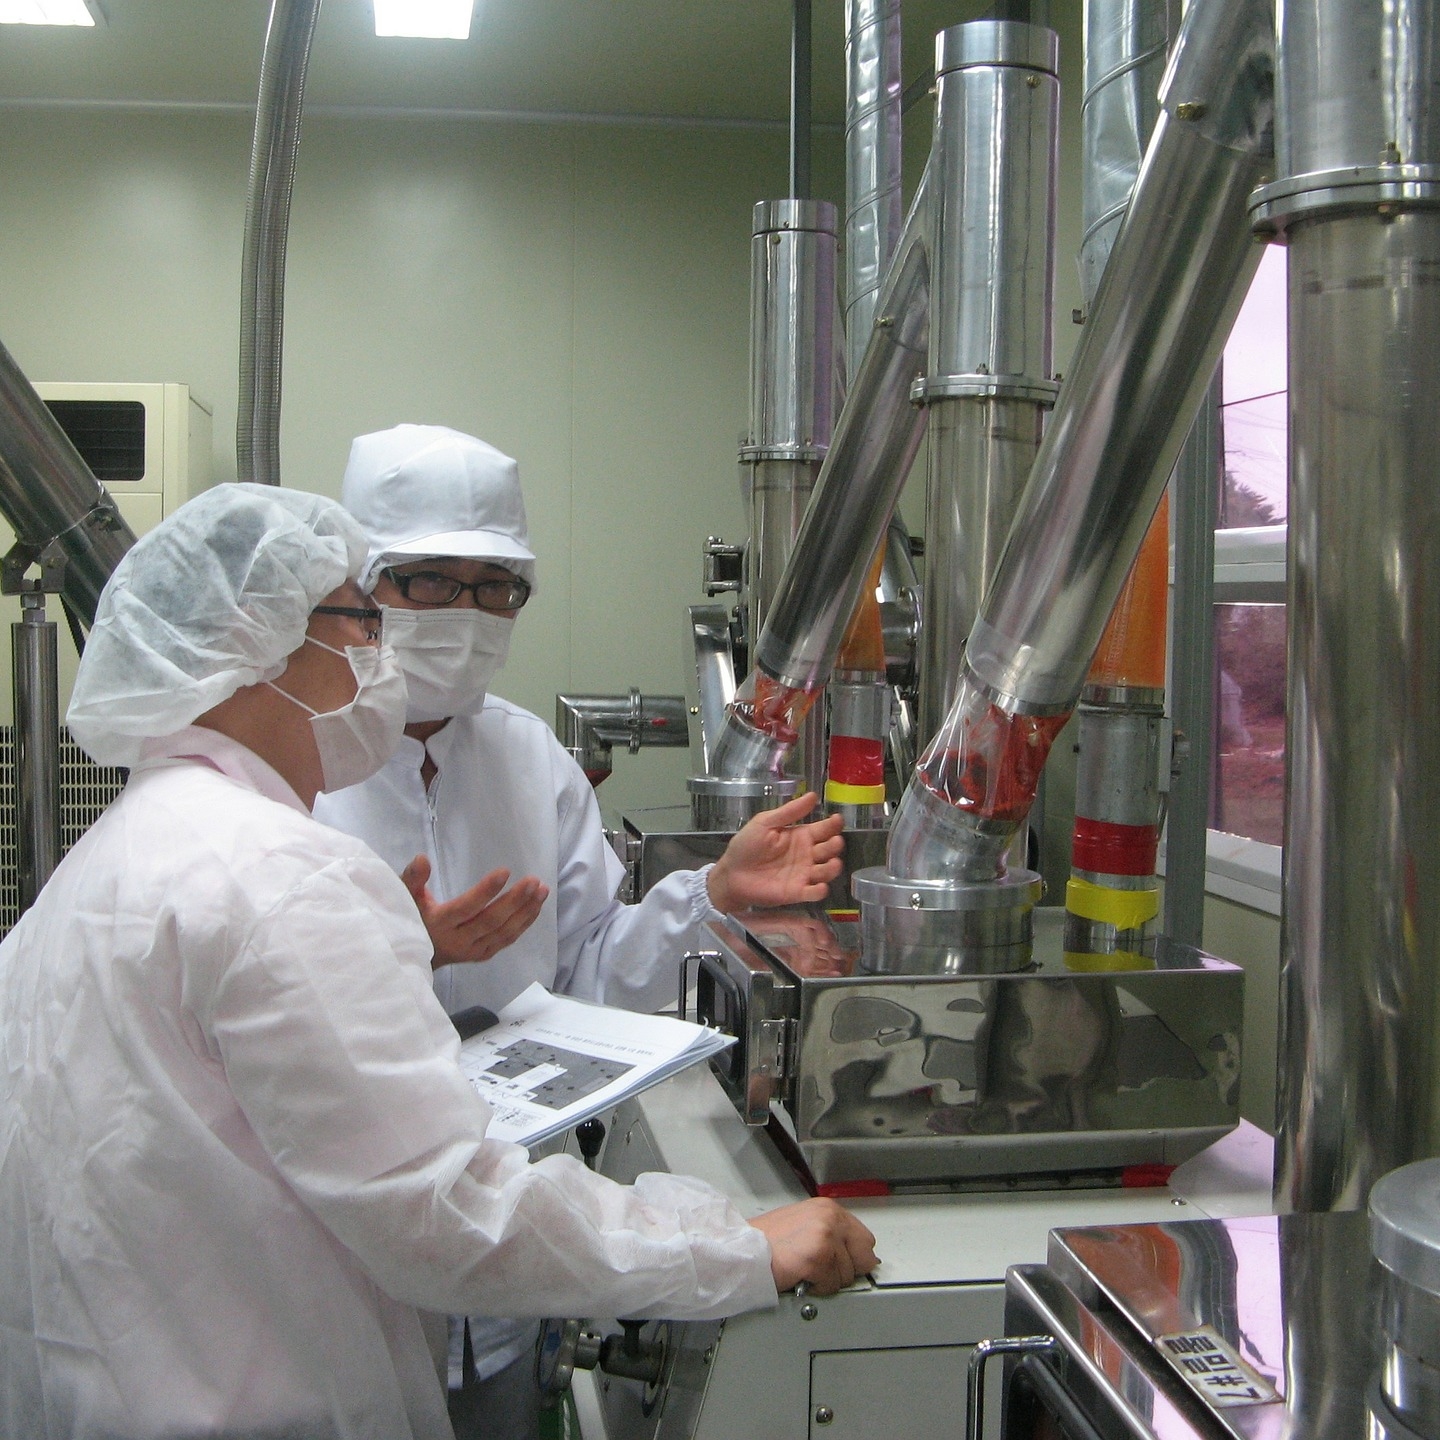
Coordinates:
<point>36,696</point>
<point>992,293</point>
<point>267,221</point>
<point>1126,47</point>
<point>1177,273</point>
<point>794,346</point>
<point>873,207</point>
<point>874,446</point>
<point>1358,141</point>
<point>48,494</point>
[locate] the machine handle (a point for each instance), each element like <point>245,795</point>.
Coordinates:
<point>975,1387</point>
<point>1074,1423</point>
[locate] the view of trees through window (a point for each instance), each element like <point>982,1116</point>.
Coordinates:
<point>1247,789</point>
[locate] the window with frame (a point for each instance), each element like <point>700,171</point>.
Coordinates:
<point>1247,781</point>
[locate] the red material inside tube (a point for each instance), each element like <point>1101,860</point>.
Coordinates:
<point>856,760</point>
<point>1104,848</point>
<point>994,770</point>
<point>772,708</point>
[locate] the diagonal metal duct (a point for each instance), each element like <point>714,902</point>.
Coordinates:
<point>49,496</point>
<point>1165,305</point>
<point>267,222</point>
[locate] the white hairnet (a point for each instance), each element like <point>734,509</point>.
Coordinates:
<point>216,597</point>
<point>425,490</point>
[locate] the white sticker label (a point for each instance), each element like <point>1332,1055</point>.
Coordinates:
<point>1213,1370</point>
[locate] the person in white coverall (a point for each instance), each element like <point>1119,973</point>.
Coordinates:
<point>480,789</point>
<point>236,1149</point>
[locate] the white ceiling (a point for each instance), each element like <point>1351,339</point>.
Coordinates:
<point>715,59</point>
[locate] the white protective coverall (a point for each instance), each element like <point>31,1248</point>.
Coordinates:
<point>236,1150</point>
<point>507,794</point>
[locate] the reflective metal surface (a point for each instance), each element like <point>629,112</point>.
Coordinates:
<point>875,442</point>
<point>793,384</point>
<point>917,1079</point>
<point>980,454</point>
<point>714,670</point>
<point>989,374</point>
<point>992,262</point>
<point>1258,1329</point>
<point>589,726</point>
<point>48,493</point>
<point>723,803</point>
<point>945,927</point>
<point>1358,107</point>
<point>1158,324</point>
<point>267,221</point>
<point>1360,1000</point>
<point>874,207</point>
<point>1126,44</point>
<point>37,747</point>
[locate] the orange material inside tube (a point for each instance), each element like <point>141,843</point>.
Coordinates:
<point>863,647</point>
<point>1132,649</point>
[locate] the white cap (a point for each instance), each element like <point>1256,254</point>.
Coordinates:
<point>427,490</point>
<point>215,598</point>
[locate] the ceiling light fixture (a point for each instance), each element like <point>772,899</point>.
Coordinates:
<point>47,12</point>
<point>424,19</point>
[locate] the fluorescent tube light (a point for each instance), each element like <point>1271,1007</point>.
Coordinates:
<point>424,19</point>
<point>46,12</point>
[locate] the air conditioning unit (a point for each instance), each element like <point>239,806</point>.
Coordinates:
<point>149,445</point>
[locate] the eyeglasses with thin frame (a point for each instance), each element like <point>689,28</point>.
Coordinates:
<point>372,621</point>
<point>430,587</point>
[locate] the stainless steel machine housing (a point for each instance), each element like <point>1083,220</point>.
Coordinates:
<point>920,1079</point>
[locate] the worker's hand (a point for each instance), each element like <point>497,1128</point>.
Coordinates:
<point>479,923</point>
<point>819,1242</point>
<point>775,860</point>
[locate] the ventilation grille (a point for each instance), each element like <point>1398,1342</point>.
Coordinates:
<point>85,790</point>
<point>109,434</point>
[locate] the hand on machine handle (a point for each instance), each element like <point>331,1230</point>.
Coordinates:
<point>479,923</point>
<point>818,1243</point>
<point>775,860</point>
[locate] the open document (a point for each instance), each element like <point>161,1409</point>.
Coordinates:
<point>550,1062</point>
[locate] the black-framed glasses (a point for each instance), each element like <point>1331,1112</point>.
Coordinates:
<point>430,587</point>
<point>372,621</point>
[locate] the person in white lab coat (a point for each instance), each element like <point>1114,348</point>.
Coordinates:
<point>480,789</point>
<point>236,1149</point>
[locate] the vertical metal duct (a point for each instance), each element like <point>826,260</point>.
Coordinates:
<point>1358,166</point>
<point>792,380</point>
<point>992,292</point>
<point>36,679</point>
<point>49,496</point>
<point>1126,46</point>
<point>267,220</point>
<point>1165,305</point>
<point>875,442</point>
<point>873,206</point>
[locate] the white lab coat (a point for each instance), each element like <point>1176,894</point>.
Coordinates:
<point>507,795</point>
<point>236,1151</point>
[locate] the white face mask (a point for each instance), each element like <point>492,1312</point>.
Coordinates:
<point>449,657</point>
<point>356,740</point>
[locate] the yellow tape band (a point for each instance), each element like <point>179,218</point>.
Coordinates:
<point>1124,909</point>
<point>838,793</point>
